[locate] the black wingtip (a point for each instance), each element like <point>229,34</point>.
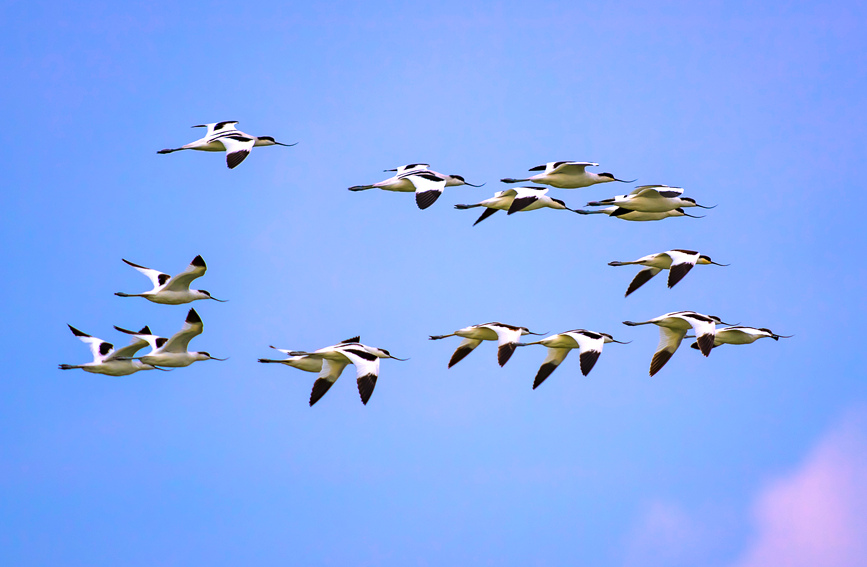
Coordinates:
<point>193,317</point>
<point>76,332</point>
<point>199,262</point>
<point>366,384</point>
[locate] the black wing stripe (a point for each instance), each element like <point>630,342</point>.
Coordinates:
<point>486,214</point>
<point>520,204</point>
<point>705,343</point>
<point>235,158</point>
<point>504,353</point>
<point>427,198</point>
<point>659,360</point>
<point>677,272</point>
<point>366,384</point>
<point>319,388</point>
<point>588,360</point>
<point>362,353</point>
<point>640,279</point>
<point>544,371</point>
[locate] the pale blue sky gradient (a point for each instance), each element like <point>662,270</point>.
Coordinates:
<point>758,109</point>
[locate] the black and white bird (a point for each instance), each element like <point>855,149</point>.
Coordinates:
<point>507,337</point>
<point>335,358</point>
<point>651,199</point>
<point>175,290</point>
<point>173,351</point>
<point>427,184</point>
<point>567,175</point>
<point>589,344</point>
<point>678,262</point>
<point>673,328</point>
<point>224,137</point>
<point>740,335</point>
<point>516,200</point>
<point>108,361</point>
<point>630,215</point>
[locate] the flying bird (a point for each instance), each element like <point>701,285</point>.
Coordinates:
<point>173,351</point>
<point>507,337</point>
<point>427,184</point>
<point>335,358</point>
<point>630,215</point>
<point>224,137</point>
<point>651,199</point>
<point>589,344</point>
<point>567,175</point>
<point>516,200</point>
<point>673,328</point>
<point>170,290</point>
<point>740,335</point>
<point>678,262</point>
<point>107,360</point>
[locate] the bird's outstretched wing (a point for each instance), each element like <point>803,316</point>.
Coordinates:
<point>181,282</point>
<point>331,370</point>
<point>178,342</point>
<point>157,278</point>
<point>99,348</point>
<point>682,261</point>
<point>428,187</point>
<point>237,149</point>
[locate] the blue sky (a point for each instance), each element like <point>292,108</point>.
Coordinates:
<point>758,109</point>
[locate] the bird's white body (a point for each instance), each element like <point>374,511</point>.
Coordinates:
<point>672,330</point>
<point>172,352</point>
<point>417,178</point>
<point>335,358</point>
<point>678,262</point>
<point>589,344</point>
<point>172,290</point>
<point>507,337</point>
<point>517,200</point>
<point>224,137</point>
<point>630,215</point>
<point>566,175</point>
<point>107,360</point>
<point>650,199</point>
<point>740,335</point>
<point>305,363</point>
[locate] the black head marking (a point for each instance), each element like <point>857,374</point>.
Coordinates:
<point>161,341</point>
<point>559,201</point>
<point>458,177</point>
<point>269,138</point>
<point>205,353</point>
<point>198,262</point>
<point>768,331</point>
<point>704,257</point>
<point>688,199</point>
<point>608,175</point>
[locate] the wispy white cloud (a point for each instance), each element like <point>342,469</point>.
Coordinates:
<point>818,514</point>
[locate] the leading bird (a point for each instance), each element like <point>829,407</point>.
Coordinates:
<point>224,137</point>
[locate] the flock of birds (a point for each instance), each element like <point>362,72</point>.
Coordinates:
<point>644,203</point>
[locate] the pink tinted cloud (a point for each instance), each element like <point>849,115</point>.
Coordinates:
<point>817,516</point>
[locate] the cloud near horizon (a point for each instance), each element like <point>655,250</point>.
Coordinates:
<point>816,515</point>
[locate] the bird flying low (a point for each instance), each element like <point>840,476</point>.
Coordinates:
<point>175,290</point>
<point>224,137</point>
<point>567,175</point>
<point>630,215</point>
<point>740,335</point>
<point>678,262</point>
<point>427,184</point>
<point>673,328</point>
<point>651,199</point>
<point>107,360</point>
<point>173,351</point>
<point>507,337</point>
<point>516,200</point>
<point>589,344</point>
<point>333,360</point>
